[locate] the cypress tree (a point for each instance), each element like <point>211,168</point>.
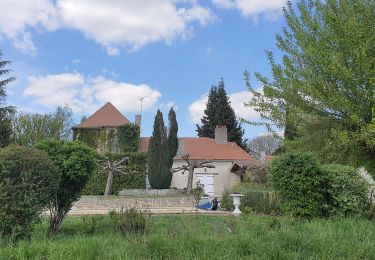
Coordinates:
<point>163,148</point>
<point>220,112</point>
<point>158,171</point>
<point>172,137</point>
<point>5,111</point>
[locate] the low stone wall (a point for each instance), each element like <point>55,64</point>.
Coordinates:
<point>148,192</point>
<point>104,202</point>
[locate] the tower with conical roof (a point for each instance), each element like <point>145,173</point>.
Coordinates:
<point>99,131</point>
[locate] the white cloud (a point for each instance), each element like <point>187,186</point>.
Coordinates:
<point>25,44</point>
<point>270,9</point>
<point>87,94</point>
<point>132,23</point>
<point>112,23</point>
<point>237,99</point>
<point>19,15</point>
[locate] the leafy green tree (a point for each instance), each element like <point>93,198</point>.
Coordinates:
<point>158,171</point>
<point>5,111</point>
<point>29,128</point>
<point>220,112</point>
<point>327,75</point>
<point>76,163</point>
<point>28,180</point>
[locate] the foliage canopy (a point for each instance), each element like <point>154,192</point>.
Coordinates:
<point>326,79</point>
<point>31,128</point>
<point>5,111</point>
<point>220,112</point>
<point>28,180</point>
<point>75,163</point>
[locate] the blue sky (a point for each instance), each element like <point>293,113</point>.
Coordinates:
<point>85,53</point>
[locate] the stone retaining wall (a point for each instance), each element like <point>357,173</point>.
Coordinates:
<point>103,202</point>
<point>148,192</point>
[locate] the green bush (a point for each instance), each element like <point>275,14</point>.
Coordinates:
<point>75,163</point>
<point>89,224</point>
<point>346,192</point>
<point>136,180</point>
<point>129,220</point>
<point>257,201</point>
<point>28,180</point>
<point>300,183</point>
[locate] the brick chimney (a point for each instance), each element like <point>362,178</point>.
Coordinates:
<point>221,134</point>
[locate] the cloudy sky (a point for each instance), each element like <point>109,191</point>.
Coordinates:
<point>87,52</point>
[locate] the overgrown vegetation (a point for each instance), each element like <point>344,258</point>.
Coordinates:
<point>109,140</point>
<point>75,163</point>
<point>257,199</point>
<point>345,191</point>
<point>308,189</point>
<point>128,138</point>
<point>28,181</point>
<point>136,165</point>
<point>31,128</point>
<point>323,91</point>
<point>130,220</point>
<point>205,237</point>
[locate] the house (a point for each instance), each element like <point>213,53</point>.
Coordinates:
<point>229,159</point>
<point>99,131</point>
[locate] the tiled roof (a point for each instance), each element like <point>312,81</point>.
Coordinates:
<point>106,116</point>
<point>202,148</point>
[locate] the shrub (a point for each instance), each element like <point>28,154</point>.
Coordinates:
<point>75,162</point>
<point>89,224</point>
<point>257,201</point>
<point>130,220</point>
<point>346,192</point>
<point>300,183</point>
<point>137,163</point>
<point>28,179</point>
<point>226,202</point>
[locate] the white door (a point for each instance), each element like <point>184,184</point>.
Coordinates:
<point>208,182</point>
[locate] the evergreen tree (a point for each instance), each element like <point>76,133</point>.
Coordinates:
<point>163,148</point>
<point>158,171</point>
<point>220,112</point>
<point>172,137</point>
<point>5,111</point>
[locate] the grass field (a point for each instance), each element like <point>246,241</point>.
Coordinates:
<point>204,237</point>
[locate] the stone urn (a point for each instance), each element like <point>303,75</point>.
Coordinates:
<point>236,202</point>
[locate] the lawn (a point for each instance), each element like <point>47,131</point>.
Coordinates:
<point>204,237</point>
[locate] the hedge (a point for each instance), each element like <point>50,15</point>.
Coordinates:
<point>136,166</point>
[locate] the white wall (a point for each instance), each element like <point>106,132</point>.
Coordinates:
<point>223,178</point>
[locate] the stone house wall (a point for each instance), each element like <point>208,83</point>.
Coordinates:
<point>223,177</point>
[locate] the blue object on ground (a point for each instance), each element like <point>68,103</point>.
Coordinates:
<point>207,205</point>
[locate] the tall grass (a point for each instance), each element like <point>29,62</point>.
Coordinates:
<point>205,237</point>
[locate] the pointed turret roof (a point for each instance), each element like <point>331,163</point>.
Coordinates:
<point>107,116</point>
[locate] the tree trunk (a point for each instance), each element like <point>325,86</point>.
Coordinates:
<point>190,181</point>
<point>56,218</point>
<point>108,187</point>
